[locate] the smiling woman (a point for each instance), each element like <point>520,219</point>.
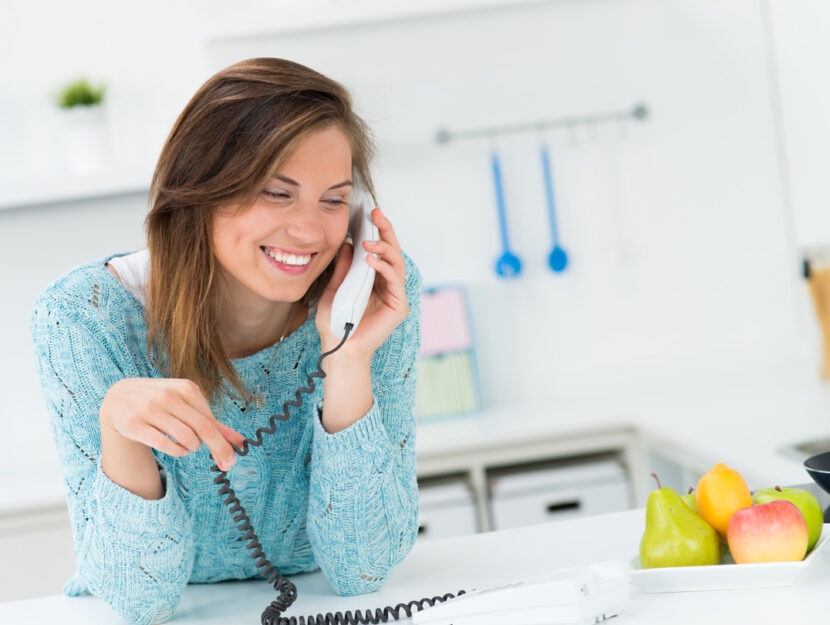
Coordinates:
<point>247,243</point>
<point>271,251</point>
<point>254,117</point>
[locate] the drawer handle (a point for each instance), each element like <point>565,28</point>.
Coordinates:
<point>562,506</point>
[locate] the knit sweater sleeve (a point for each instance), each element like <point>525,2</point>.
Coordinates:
<point>134,553</point>
<point>363,493</point>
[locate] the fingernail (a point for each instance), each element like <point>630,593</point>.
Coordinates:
<point>229,461</point>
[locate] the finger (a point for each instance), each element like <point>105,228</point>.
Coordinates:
<point>207,429</point>
<point>234,437</point>
<point>393,280</point>
<point>149,435</point>
<point>192,394</point>
<point>388,253</point>
<point>177,429</point>
<point>387,233</point>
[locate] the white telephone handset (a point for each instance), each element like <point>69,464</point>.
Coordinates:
<point>354,292</point>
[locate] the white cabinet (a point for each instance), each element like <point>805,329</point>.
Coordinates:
<point>557,491</point>
<point>446,508</point>
<point>36,554</point>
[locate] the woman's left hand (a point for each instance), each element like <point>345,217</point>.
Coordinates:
<point>387,306</point>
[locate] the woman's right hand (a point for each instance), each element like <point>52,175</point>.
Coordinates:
<point>145,409</point>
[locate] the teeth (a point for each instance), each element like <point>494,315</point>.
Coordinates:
<point>288,259</point>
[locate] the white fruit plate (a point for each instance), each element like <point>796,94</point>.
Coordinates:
<point>724,576</point>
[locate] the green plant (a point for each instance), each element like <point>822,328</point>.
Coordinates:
<point>80,93</point>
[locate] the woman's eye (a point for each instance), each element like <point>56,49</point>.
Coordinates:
<point>274,194</point>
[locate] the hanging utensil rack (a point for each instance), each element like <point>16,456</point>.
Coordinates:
<point>638,112</point>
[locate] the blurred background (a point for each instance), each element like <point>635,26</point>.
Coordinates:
<point>688,150</point>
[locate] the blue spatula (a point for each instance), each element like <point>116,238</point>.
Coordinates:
<point>558,259</point>
<point>508,264</point>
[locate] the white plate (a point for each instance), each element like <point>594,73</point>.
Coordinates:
<point>726,576</point>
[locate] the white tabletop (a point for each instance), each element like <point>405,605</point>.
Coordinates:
<point>477,561</point>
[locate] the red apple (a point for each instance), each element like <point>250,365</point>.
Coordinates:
<point>767,532</point>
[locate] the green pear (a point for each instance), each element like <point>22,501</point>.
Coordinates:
<point>674,535</point>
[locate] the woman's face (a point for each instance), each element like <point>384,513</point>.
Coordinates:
<point>276,248</point>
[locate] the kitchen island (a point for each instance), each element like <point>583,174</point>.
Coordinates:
<point>479,561</point>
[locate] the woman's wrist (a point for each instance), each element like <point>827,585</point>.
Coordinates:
<point>129,464</point>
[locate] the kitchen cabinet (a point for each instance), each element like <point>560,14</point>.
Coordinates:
<point>36,553</point>
<point>446,508</point>
<point>305,16</point>
<point>557,490</point>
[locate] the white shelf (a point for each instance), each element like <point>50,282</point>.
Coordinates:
<point>24,192</point>
<point>331,14</point>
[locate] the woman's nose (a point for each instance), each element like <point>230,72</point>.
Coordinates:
<point>304,222</point>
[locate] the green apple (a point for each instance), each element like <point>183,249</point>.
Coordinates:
<point>690,499</point>
<point>804,500</point>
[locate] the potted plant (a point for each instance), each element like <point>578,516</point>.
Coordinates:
<point>85,139</point>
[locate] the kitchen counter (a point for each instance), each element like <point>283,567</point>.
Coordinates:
<point>478,561</point>
<point>744,421</point>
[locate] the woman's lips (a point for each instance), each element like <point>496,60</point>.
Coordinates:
<point>293,270</point>
<point>282,250</point>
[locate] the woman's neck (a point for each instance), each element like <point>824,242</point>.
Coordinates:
<point>245,331</point>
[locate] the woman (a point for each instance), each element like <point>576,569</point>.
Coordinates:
<point>247,243</point>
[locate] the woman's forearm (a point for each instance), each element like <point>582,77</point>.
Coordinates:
<point>130,464</point>
<point>347,391</point>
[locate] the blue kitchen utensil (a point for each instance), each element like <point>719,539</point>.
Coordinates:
<point>508,264</point>
<point>558,259</point>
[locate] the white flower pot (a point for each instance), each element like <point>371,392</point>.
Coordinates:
<point>84,138</point>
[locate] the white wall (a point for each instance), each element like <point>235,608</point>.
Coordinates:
<point>681,259</point>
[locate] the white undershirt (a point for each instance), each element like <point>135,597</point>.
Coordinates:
<point>133,269</point>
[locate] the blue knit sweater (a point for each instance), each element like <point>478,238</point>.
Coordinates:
<point>346,503</point>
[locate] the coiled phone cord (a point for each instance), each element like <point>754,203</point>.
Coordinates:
<point>272,615</point>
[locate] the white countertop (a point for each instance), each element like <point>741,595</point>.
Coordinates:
<point>478,561</point>
<point>742,420</point>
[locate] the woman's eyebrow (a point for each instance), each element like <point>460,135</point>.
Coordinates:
<point>345,183</point>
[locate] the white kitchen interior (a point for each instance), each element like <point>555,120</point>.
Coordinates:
<point>680,334</point>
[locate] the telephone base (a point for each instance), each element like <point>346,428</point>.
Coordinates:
<point>575,596</point>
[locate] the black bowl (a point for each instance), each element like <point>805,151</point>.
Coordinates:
<point>818,467</point>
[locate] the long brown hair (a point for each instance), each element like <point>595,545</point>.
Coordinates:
<point>236,132</point>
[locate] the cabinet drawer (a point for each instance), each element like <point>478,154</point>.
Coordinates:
<point>446,508</point>
<point>543,495</point>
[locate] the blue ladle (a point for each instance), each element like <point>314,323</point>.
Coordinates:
<point>508,264</point>
<point>558,259</point>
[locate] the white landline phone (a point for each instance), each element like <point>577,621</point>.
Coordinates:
<point>353,294</point>
<point>576,596</point>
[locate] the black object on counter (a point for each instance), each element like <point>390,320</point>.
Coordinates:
<point>818,467</point>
